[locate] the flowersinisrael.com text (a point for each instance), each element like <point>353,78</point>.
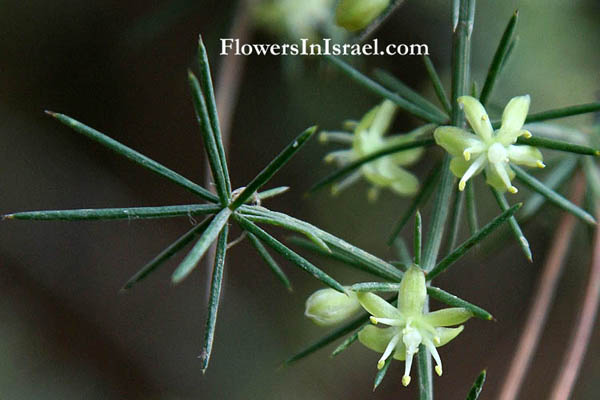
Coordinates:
<point>324,47</point>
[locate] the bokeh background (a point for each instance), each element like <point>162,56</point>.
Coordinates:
<point>67,333</point>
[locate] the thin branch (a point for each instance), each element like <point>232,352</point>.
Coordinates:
<point>575,354</point>
<point>543,297</point>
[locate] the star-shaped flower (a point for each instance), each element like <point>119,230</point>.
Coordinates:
<point>408,327</point>
<point>368,137</point>
<point>489,150</point>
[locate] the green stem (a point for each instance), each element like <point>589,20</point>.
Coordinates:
<point>461,54</point>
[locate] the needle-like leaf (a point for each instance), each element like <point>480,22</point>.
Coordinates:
<point>133,156</point>
<point>499,57</point>
<point>349,341</point>
<point>553,196</point>
<point>213,300</point>
<point>167,253</point>
<point>117,213</point>
<point>418,201</point>
<point>514,225</point>
<point>208,138</point>
<point>472,241</point>
<point>269,261</point>
<point>537,141</point>
<point>379,90</point>
<point>433,292</point>
<point>342,172</point>
<point>274,166</point>
<point>208,237</point>
<point>437,84</point>
<point>209,96</point>
<point>287,253</point>
<point>393,83</point>
<point>454,301</point>
<point>334,335</point>
<point>381,373</point>
<point>294,226</point>
<point>558,113</point>
<point>553,180</point>
<point>370,262</point>
<point>267,194</point>
<point>477,387</point>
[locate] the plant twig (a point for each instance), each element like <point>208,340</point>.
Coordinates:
<point>543,297</point>
<point>575,354</point>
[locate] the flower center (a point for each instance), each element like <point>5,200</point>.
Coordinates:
<point>497,153</point>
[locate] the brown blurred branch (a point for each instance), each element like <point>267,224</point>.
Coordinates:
<point>575,354</point>
<point>542,299</point>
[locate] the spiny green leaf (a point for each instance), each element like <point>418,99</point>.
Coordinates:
<point>269,261</point>
<point>376,88</point>
<point>537,141</point>
<point>274,166</point>
<point>514,225</point>
<point>208,138</point>
<point>437,84</point>
<point>133,156</point>
<point>333,254</point>
<point>387,79</point>
<point>213,300</point>
<point>454,301</point>
<point>418,201</point>
<point>287,253</point>
<point>267,194</point>
<point>472,241</point>
<point>167,253</point>
<point>349,341</point>
<point>209,96</point>
<point>552,196</point>
<point>381,373</point>
<point>117,213</point>
<point>558,113</point>
<point>340,173</point>
<point>434,292</point>
<point>294,226</point>
<point>329,338</point>
<point>208,237</point>
<point>373,264</point>
<point>553,180</point>
<point>499,57</point>
<point>477,387</point>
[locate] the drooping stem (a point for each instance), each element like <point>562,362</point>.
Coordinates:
<point>543,297</point>
<point>575,354</point>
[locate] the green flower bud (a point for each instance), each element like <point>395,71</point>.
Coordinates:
<point>329,307</point>
<point>355,15</point>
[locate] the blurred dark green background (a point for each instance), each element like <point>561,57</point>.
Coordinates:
<point>66,332</point>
